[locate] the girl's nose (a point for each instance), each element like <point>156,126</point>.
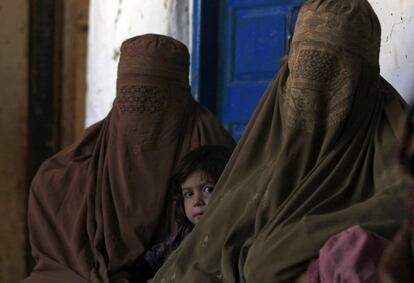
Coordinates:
<point>198,201</point>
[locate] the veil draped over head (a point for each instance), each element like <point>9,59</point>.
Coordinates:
<point>95,206</point>
<point>318,156</point>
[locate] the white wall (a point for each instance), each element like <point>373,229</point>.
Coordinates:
<point>113,21</point>
<point>397,47</point>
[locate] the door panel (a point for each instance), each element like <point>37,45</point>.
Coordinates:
<point>259,41</point>
<point>254,36</point>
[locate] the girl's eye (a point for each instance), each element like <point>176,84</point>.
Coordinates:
<point>187,194</point>
<point>208,189</point>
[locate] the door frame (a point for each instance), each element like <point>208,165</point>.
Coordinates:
<point>204,54</point>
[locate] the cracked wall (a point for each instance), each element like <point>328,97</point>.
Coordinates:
<point>397,46</point>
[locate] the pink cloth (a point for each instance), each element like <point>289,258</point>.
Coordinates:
<point>350,256</point>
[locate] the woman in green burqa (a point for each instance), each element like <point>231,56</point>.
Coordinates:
<point>318,156</point>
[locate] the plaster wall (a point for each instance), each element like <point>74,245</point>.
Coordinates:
<point>397,46</point>
<point>14,36</point>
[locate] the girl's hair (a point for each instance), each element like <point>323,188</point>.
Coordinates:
<point>208,158</point>
<point>406,153</point>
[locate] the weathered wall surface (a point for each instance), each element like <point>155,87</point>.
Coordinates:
<point>397,48</point>
<point>13,128</point>
<point>113,21</point>
<point>110,23</point>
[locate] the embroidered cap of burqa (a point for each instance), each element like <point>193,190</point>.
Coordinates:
<point>317,157</point>
<point>94,207</point>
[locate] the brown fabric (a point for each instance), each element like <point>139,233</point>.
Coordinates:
<point>95,206</point>
<point>397,264</point>
<point>318,157</point>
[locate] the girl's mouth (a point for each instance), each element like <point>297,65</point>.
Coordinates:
<point>198,214</point>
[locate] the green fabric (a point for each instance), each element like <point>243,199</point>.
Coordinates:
<point>318,156</point>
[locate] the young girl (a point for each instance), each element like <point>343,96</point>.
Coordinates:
<point>193,184</point>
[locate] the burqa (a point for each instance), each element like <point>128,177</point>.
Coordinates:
<point>317,157</point>
<point>95,206</point>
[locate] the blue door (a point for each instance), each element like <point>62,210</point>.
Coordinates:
<point>237,65</point>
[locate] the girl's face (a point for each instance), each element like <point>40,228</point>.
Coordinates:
<point>197,190</point>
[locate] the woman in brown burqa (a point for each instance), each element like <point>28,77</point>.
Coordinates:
<point>94,207</point>
<point>319,156</point>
